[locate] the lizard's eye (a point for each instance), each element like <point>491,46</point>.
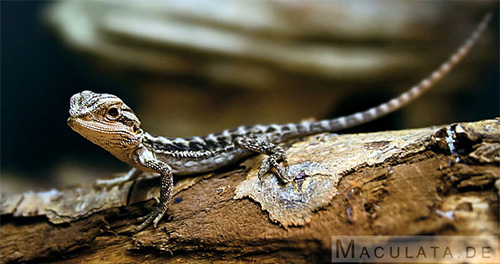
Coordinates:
<point>113,112</point>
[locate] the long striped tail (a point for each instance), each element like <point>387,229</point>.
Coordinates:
<point>406,97</point>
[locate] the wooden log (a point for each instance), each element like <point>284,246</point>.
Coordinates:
<point>431,181</point>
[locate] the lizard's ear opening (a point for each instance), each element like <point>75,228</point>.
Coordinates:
<point>136,129</point>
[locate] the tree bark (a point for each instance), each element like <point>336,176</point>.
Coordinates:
<point>431,181</point>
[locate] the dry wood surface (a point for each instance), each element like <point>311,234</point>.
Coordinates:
<point>431,181</point>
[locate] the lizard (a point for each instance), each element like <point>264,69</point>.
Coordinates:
<point>107,121</point>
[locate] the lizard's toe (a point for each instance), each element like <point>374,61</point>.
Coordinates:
<point>154,217</point>
<point>158,218</point>
<point>272,162</point>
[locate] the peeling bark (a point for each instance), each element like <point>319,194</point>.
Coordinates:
<point>431,181</point>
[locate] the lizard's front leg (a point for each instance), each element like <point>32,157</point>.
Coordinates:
<point>275,154</point>
<point>149,161</point>
<point>131,175</point>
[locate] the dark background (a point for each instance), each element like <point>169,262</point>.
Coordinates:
<point>39,75</point>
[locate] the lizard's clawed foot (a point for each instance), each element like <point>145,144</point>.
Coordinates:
<point>154,217</point>
<point>275,152</point>
<point>272,161</point>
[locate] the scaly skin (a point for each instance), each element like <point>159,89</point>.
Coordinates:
<point>108,122</point>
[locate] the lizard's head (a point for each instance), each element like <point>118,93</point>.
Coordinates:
<point>105,120</point>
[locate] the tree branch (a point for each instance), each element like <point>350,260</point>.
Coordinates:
<point>433,181</point>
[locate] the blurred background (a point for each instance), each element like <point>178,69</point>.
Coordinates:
<point>195,67</point>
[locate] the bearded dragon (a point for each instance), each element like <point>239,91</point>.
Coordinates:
<point>107,121</point>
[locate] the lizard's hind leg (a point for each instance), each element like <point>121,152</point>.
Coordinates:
<point>275,154</point>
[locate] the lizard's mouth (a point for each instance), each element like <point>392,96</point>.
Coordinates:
<point>71,122</point>
<point>80,126</point>
<point>84,127</point>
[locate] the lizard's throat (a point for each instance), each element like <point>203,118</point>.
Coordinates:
<point>120,141</point>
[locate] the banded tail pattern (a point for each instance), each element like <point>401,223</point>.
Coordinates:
<point>403,99</point>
